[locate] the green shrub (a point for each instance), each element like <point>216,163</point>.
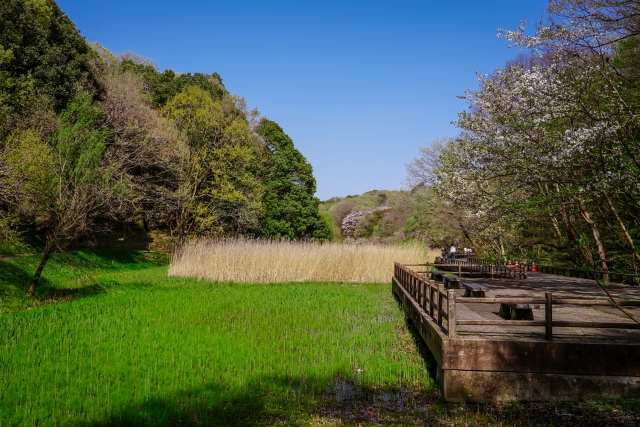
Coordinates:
<point>368,224</point>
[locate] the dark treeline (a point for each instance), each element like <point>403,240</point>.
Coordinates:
<point>547,163</point>
<point>89,139</point>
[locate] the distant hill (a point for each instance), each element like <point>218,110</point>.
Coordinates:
<point>377,215</point>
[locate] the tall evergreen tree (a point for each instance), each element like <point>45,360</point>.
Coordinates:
<point>291,210</point>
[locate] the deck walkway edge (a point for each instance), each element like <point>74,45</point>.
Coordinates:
<point>490,370</point>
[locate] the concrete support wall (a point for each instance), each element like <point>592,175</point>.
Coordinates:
<point>487,387</point>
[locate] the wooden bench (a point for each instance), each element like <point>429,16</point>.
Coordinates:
<point>474,290</point>
<point>451,282</point>
<point>515,311</point>
<point>437,275</point>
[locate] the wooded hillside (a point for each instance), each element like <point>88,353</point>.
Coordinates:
<point>89,140</point>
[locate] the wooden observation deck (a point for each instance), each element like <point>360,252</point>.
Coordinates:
<point>575,344</point>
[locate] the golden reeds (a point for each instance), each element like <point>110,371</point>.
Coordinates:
<point>270,261</point>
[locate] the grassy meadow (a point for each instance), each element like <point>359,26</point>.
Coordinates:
<point>174,351</point>
<point>112,340</point>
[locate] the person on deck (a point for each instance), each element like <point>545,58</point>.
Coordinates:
<point>453,252</point>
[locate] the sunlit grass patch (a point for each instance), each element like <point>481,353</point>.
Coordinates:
<point>158,348</point>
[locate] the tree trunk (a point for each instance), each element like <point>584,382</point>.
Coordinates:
<point>145,223</point>
<point>466,234</point>
<point>554,222</point>
<point>596,237</point>
<point>48,250</point>
<point>624,229</point>
<point>585,254</point>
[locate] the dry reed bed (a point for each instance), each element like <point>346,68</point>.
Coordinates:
<point>269,261</point>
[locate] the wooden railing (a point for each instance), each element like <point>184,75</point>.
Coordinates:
<point>609,276</point>
<point>431,298</point>
<point>428,295</point>
<point>484,268</point>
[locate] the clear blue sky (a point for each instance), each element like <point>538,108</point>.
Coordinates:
<point>358,85</point>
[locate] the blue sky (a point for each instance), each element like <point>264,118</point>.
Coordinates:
<point>358,85</point>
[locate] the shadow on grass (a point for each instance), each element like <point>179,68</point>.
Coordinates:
<point>213,405</point>
<point>109,259</point>
<point>265,401</point>
<point>271,401</point>
<point>14,282</point>
<point>423,349</point>
<point>15,277</point>
<point>67,276</point>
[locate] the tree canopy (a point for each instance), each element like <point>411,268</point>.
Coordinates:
<point>548,154</point>
<point>42,52</point>
<point>291,210</point>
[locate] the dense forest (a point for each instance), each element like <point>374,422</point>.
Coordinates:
<point>90,140</point>
<point>547,163</point>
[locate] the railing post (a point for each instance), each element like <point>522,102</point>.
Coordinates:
<point>411,282</point>
<point>425,295</point>
<point>492,271</point>
<point>440,304</point>
<point>459,270</point>
<point>548,318</point>
<point>415,286</point>
<point>425,286</point>
<point>451,312</point>
<point>434,299</point>
<point>406,279</point>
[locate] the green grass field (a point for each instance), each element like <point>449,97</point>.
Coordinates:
<point>112,341</point>
<point>144,348</point>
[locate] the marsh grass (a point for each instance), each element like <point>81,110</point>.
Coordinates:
<point>272,261</point>
<point>152,350</point>
<point>158,350</point>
